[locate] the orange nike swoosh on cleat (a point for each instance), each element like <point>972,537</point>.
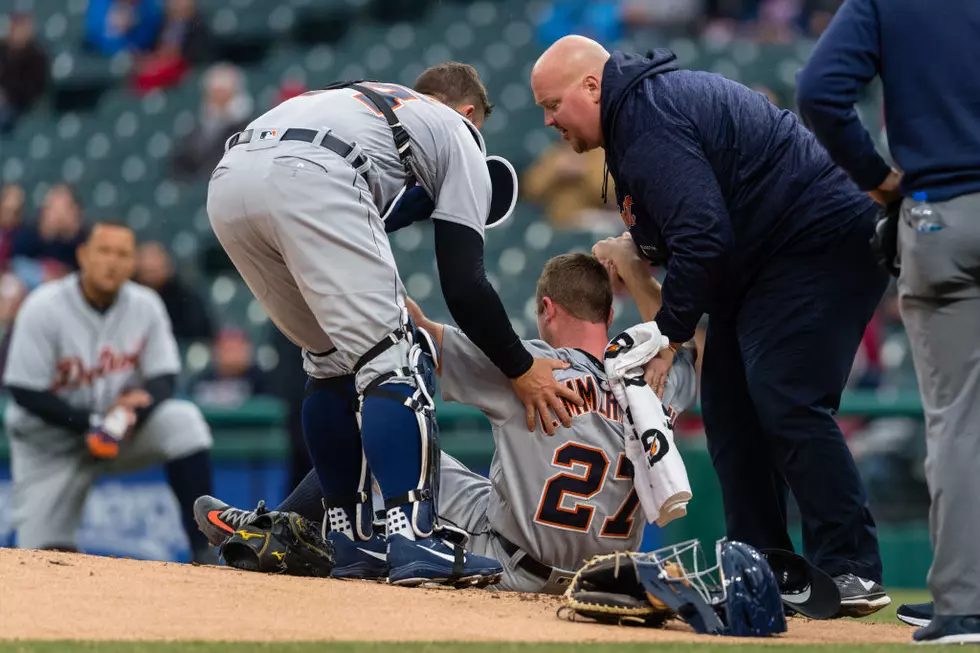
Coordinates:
<point>213,518</point>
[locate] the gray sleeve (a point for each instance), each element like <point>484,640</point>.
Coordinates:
<point>32,354</point>
<point>468,377</point>
<point>462,188</point>
<point>160,354</point>
<point>682,382</point>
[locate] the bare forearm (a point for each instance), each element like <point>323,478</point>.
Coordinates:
<point>644,289</point>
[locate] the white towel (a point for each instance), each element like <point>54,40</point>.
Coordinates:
<point>659,475</point>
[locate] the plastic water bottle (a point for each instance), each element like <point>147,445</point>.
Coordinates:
<point>924,217</point>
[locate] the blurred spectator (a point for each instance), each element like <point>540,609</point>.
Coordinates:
<point>113,26</point>
<point>12,294</point>
<point>46,250</point>
<point>769,93</point>
<point>11,219</point>
<point>779,21</point>
<point>188,313</point>
<point>647,21</point>
<point>817,14</point>
<point>596,19</point>
<point>184,40</point>
<point>288,90</point>
<point>232,378</point>
<point>226,109</point>
<point>23,70</point>
<point>569,186</point>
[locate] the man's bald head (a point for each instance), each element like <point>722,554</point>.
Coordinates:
<point>567,81</point>
<point>571,56</point>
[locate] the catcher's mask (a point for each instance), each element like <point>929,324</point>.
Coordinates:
<point>737,596</point>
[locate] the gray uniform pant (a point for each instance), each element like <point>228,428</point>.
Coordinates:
<point>939,295</point>
<point>53,471</point>
<point>301,227</point>
<point>464,497</point>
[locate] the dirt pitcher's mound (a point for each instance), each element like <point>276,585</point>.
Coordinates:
<point>46,595</point>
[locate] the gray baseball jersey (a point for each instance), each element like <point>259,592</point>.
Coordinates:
<point>61,344</point>
<point>303,226</point>
<point>565,498</point>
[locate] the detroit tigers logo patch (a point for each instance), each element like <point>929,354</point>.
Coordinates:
<point>626,212</point>
<point>655,444</point>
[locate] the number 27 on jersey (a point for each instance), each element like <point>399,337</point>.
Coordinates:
<point>566,487</point>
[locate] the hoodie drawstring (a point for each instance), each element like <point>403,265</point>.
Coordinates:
<point>605,179</point>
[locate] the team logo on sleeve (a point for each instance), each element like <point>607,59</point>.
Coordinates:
<point>619,345</point>
<point>626,212</point>
<point>655,444</point>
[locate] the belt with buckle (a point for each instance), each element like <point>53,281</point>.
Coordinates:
<point>527,563</point>
<point>329,141</point>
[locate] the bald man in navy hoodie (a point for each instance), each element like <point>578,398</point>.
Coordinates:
<point>761,232</point>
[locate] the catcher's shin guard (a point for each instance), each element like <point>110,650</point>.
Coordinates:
<point>400,434</point>
<point>339,508</point>
<point>333,438</point>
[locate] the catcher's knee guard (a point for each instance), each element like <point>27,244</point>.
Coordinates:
<point>412,387</point>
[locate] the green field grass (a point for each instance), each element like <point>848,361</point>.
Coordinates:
<point>885,616</point>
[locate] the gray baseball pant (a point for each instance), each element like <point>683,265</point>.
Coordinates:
<point>301,226</point>
<point>939,296</point>
<point>464,502</point>
<point>53,471</point>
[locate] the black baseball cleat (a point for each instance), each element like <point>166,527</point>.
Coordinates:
<point>219,521</point>
<point>860,597</point>
<point>916,614</point>
<point>950,630</point>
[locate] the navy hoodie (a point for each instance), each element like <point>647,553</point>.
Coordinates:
<point>928,57</point>
<point>714,181</point>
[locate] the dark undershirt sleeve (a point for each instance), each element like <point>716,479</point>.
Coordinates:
<point>472,301</point>
<point>51,408</point>
<point>160,388</point>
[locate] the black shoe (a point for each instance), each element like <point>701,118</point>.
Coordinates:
<point>860,597</point>
<point>916,614</point>
<point>950,630</point>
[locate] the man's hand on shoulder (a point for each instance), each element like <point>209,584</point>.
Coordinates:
<point>541,394</point>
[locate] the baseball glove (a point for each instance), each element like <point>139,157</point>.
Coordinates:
<point>607,589</point>
<point>884,241</point>
<point>280,543</point>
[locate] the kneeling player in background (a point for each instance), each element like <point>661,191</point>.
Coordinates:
<point>91,368</point>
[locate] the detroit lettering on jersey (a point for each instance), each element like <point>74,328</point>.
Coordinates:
<point>86,357</point>
<point>72,373</point>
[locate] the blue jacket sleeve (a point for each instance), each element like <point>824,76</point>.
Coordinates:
<point>845,59</point>
<point>672,180</point>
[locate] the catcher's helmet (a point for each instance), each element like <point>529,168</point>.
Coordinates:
<point>737,596</point>
<point>753,605</point>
